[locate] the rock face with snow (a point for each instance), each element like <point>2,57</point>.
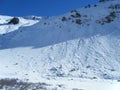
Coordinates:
<point>84,43</point>
<point>7,23</point>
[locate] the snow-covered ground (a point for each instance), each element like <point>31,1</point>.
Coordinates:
<point>84,43</point>
<point>61,84</point>
<point>83,84</point>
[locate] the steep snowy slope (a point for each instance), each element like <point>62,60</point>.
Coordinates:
<point>84,43</point>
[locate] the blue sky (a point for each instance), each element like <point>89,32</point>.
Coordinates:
<point>40,7</point>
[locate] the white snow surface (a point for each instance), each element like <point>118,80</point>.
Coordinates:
<point>55,48</point>
<point>6,28</point>
<point>82,84</point>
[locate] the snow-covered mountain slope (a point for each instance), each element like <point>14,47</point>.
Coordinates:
<point>84,43</point>
<point>6,28</point>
